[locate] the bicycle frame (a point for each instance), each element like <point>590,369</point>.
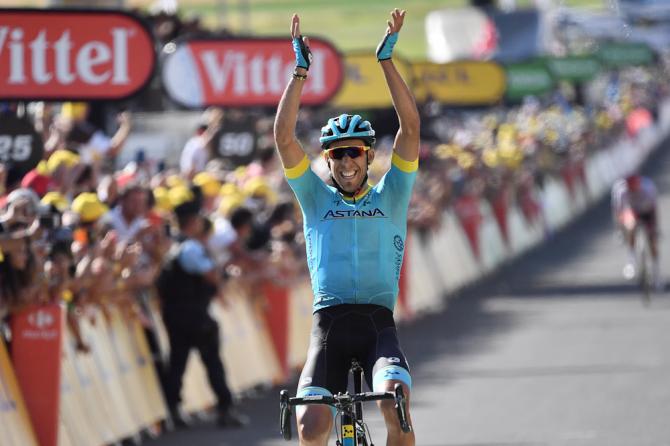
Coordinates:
<point>352,430</point>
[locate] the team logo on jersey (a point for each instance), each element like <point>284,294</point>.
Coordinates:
<point>398,243</point>
<point>353,213</point>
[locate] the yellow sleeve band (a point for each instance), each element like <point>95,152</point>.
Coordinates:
<point>295,172</point>
<point>2,256</point>
<point>404,165</point>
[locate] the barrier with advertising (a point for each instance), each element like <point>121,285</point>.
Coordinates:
<point>524,79</point>
<point>459,83</point>
<point>573,68</point>
<point>36,344</point>
<point>364,85</point>
<point>73,54</point>
<point>622,54</point>
<point>246,72</point>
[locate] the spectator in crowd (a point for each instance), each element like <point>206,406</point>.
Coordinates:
<point>186,285</point>
<point>196,152</point>
<point>92,144</point>
<point>127,219</point>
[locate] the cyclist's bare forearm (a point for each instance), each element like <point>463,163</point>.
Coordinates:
<point>407,140</point>
<point>289,148</point>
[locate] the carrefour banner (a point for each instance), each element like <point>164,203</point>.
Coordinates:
<point>526,79</point>
<point>625,54</point>
<point>573,68</point>
<point>459,83</point>
<point>246,72</point>
<point>364,84</point>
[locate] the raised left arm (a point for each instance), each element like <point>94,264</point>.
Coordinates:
<point>406,143</point>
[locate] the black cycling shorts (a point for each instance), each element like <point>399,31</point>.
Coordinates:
<point>342,332</point>
<point>647,218</point>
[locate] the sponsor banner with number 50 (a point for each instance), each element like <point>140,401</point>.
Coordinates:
<point>246,72</point>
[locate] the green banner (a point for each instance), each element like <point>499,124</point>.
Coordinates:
<point>573,68</point>
<point>625,54</point>
<point>528,79</point>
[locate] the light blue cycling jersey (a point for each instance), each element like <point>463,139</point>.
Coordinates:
<point>354,246</point>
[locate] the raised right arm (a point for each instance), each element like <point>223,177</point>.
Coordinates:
<point>290,151</point>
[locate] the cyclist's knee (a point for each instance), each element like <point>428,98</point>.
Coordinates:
<point>314,424</point>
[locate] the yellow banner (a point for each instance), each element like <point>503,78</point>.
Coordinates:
<point>459,83</point>
<point>364,85</point>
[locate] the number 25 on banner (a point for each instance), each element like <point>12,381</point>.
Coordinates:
<point>15,148</point>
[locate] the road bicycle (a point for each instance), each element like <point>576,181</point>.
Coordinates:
<point>352,430</point>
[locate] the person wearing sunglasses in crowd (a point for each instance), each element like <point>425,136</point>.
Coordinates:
<point>355,239</point>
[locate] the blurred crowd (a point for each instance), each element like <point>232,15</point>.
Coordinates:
<point>80,229</point>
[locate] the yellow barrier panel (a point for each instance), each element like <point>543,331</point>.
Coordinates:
<point>148,374</point>
<point>93,329</point>
<point>112,391</point>
<point>248,355</point>
<point>364,85</point>
<point>128,361</point>
<point>459,83</point>
<point>196,394</point>
<point>15,427</point>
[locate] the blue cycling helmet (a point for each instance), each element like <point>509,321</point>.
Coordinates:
<point>346,127</point>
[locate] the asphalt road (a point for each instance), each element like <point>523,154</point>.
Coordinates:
<point>556,349</point>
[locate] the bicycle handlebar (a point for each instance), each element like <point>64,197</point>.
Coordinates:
<point>341,399</point>
<point>342,402</point>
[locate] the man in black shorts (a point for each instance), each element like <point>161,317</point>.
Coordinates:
<point>355,239</point>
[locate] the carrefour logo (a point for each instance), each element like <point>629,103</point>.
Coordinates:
<point>374,213</point>
<point>41,319</point>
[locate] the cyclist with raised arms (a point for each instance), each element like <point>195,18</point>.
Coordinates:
<point>355,239</point>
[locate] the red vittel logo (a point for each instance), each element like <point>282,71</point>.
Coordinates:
<point>246,72</point>
<point>73,55</point>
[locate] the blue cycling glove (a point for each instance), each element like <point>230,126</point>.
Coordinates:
<point>303,55</point>
<point>385,47</point>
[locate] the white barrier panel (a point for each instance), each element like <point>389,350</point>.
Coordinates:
<point>595,179</point>
<point>81,412</point>
<point>491,245</point>
<point>522,236</point>
<point>556,199</point>
<point>299,323</point>
<point>453,254</point>
<point>424,288</point>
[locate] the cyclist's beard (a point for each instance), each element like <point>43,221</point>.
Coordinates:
<point>337,186</point>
